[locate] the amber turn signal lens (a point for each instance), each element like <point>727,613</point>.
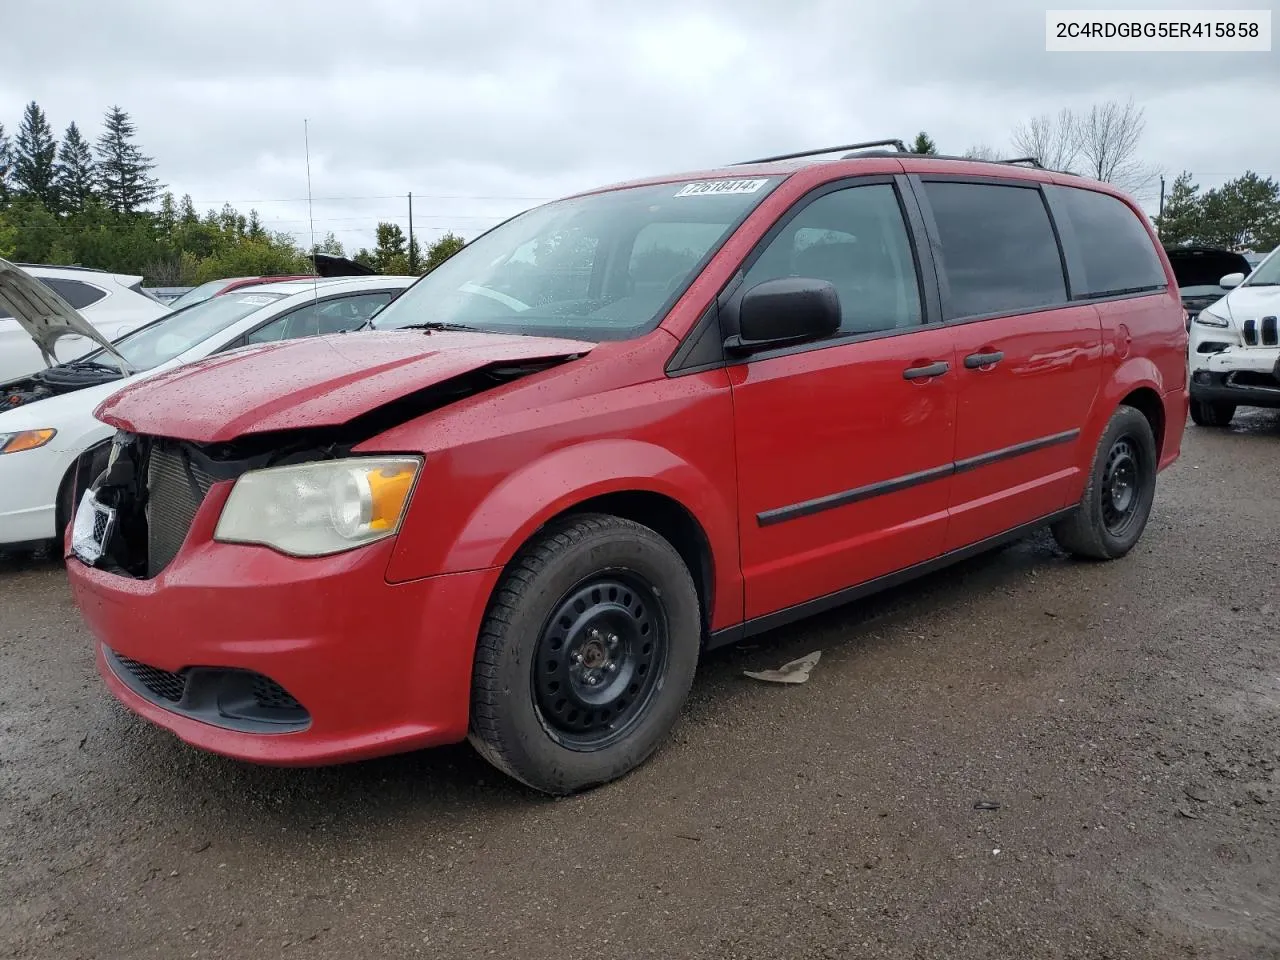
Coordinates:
<point>26,440</point>
<point>388,489</point>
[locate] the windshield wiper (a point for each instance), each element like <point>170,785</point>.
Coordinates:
<point>440,325</point>
<point>1264,283</point>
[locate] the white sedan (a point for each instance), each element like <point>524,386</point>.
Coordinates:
<point>51,445</point>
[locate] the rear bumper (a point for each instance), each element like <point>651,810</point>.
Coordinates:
<point>379,668</point>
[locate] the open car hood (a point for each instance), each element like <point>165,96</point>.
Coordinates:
<point>319,382</point>
<point>44,315</point>
<point>1205,266</point>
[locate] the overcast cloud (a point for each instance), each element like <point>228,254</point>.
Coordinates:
<point>485,107</point>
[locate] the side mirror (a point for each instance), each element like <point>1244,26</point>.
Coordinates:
<point>785,311</point>
<point>1231,281</point>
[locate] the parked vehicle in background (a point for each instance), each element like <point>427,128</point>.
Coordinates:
<point>50,443</point>
<point>1199,271</point>
<point>616,431</point>
<point>1235,347</point>
<point>216,288</point>
<point>112,303</point>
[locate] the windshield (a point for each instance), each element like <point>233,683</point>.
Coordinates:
<point>176,333</point>
<point>200,293</point>
<point>600,267</point>
<point>1268,272</point>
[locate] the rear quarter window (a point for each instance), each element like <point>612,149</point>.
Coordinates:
<point>999,251</point>
<point>1114,249</point>
<point>77,294</point>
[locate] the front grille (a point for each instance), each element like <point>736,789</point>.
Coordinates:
<point>1253,378</point>
<point>175,490</point>
<point>1251,333</point>
<point>165,685</point>
<point>1270,337</point>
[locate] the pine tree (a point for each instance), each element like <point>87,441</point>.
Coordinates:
<point>34,153</point>
<point>75,170</point>
<point>1183,218</point>
<point>124,172</point>
<point>6,166</point>
<point>923,143</point>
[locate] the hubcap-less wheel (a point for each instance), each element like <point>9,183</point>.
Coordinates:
<point>1121,480</point>
<point>599,659</point>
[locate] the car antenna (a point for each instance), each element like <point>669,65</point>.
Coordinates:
<point>315,279</point>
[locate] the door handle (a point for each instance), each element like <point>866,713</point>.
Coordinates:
<point>931,370</point>
<point>976,361</point>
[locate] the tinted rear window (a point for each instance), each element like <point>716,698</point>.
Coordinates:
<point>1115,249</point>
<point>998,248</point>
<point>73,291</point>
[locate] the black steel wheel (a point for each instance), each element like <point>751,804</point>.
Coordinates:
<point>600,656</point>
<point>1118,494</point>
<point>1122,479</point>
<point>586,654</point>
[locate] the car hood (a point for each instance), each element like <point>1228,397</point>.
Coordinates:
<point>44,315</point>
<point>1252,303</point>
<point>1205,266</point>
<point>319,382</point>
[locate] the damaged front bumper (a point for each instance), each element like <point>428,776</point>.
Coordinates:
<point>1247,377</point>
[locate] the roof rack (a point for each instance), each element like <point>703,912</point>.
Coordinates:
<point>867,149</point>
<point>901,148</point>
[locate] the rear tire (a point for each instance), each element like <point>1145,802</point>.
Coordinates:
<point>1118,496</point>
<point>1205,413</point>
<point>586,654</point>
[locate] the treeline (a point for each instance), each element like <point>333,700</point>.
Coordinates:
<point>97,204</point>
<point>1242,214</point>
<point>1104,143</point>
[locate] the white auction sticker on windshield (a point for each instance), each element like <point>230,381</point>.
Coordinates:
<point>257,300</point>
<point>701,188</point>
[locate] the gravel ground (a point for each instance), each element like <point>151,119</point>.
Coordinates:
<point>1125,717</point>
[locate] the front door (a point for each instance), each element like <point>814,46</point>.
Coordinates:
<point>1028,363</point>
<point>844,447</point>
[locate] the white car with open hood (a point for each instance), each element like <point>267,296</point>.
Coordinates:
<point>1235,347</point>
<point>51,445</point>
<point>111,303</point>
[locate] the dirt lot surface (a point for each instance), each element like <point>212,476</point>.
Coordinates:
<point>1125,717</point>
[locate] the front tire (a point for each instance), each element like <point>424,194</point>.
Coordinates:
<point>1209,414</point>
<point>586,654</point>
<point>1117,499</point>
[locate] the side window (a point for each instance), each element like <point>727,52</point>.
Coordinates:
<point>857,240</point>
<point>73,291</point>
<point>1115,248</point>
<point>998,248</point>
<point>317,319</point>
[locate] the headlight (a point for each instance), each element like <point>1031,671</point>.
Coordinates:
<point>1211,319</point>
<point>314,509</point>
<point>25,440</point>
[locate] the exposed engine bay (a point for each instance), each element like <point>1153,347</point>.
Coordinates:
<point>64,378</point>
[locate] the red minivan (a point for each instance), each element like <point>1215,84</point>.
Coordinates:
<point>617,431</point>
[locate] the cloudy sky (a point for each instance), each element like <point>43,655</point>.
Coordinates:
<point>484,107</point>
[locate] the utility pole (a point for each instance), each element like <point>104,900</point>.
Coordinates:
<point>1160,219</point>
<point>412,250</point>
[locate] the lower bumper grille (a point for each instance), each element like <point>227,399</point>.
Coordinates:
<point>235,699</point>
<point>162,683</point>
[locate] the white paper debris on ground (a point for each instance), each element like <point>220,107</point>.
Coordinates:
<point>797,671</point>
